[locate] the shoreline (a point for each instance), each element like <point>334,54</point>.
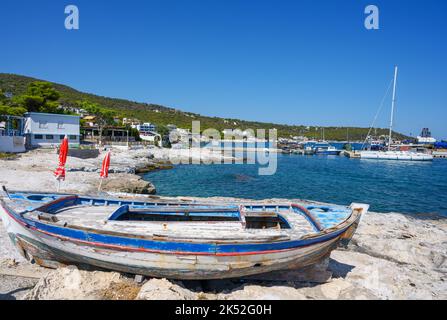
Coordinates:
<point>392,255</point>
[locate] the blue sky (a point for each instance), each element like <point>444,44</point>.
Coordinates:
<point>295,62</point>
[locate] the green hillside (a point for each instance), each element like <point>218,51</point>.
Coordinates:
<point>161,115</point>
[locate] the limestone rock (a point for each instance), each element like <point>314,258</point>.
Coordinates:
<point>162,289</point>
<point>70,283</point>
<point>128,184</point>
<point>257,292</point>
<point>152,166</point>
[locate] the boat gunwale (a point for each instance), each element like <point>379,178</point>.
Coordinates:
<point>345,224</point>
<point>337,233</point>
<point>307,214</point>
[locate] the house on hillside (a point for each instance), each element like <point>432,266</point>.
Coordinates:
<point>148,132</point>
<point>237,133</point>
<point>171,127</point>
<point>79,111</point>
<point>146,127</point>
<point>131,121</point>
<point>90,121</point>
<point>180,138</point>
<point>48,129</point>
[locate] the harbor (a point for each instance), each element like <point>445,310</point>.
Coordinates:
<point>124,213</point>
<point>223,154</point>
<point>366,269</point>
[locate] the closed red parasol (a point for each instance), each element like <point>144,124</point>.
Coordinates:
<point>104,169</point>
<point>63,152</point>
<point>105,166</point>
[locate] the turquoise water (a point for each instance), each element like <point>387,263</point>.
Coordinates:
<point>388,186</point>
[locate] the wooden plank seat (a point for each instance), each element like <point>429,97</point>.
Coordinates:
<point>260,214</point>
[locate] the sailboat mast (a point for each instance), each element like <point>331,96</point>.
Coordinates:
<point>392,107</point>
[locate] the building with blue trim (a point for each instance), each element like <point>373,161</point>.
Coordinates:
<point>12,138</point>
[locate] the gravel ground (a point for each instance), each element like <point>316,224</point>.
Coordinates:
<point>14,288</point>
<point>7,251</point>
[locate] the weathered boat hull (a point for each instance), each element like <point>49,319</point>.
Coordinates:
<point>51,246</point>
<point>190,267</point>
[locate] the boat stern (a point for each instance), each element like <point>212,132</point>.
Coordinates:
<point>4,196</point>
<point>13,228</point>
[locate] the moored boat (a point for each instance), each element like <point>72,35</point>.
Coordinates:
<point>308,150</point>
<point>175,239</point>
<point>327,150</point>
<point>391,154</point>
<point>396,155</point>
<point>320,148</point>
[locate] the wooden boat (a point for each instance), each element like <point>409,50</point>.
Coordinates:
<point>177,239</point>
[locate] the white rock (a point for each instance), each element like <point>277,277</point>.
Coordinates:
<point>70,283</point>
<point>162,289</point>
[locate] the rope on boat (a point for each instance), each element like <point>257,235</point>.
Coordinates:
<point>378,112</point>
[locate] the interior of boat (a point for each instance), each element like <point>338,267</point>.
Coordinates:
<point>188,219</point>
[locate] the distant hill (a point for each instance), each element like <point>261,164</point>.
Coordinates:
<point>162,115</point>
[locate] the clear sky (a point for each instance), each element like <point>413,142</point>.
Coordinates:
<point>297,62</point>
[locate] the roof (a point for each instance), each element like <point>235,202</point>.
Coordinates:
<point>49,114</point>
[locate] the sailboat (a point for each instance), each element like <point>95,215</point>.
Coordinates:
<point>394,154</point>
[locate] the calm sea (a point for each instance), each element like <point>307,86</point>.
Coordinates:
<point>388,186</point>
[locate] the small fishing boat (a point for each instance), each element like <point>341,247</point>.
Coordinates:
<point>174,239</point>
<point>309,150</point>
<point>326,150</point>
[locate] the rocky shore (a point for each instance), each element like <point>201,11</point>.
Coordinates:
<point>392,256</point>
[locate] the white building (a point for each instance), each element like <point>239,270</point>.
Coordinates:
<point>426,140</point>
<point>425,137</point>
<point>131,121</point>
<point>47,129</point>
<point>238,133</point>
<point>146,127</point>
<point>148,132</point>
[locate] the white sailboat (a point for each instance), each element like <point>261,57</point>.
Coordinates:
<point>392,154</point>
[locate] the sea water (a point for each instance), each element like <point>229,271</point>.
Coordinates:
<point>387,185</point>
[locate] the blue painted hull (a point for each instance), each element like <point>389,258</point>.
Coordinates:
<point>52,244</point>
<point>335,153</point>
